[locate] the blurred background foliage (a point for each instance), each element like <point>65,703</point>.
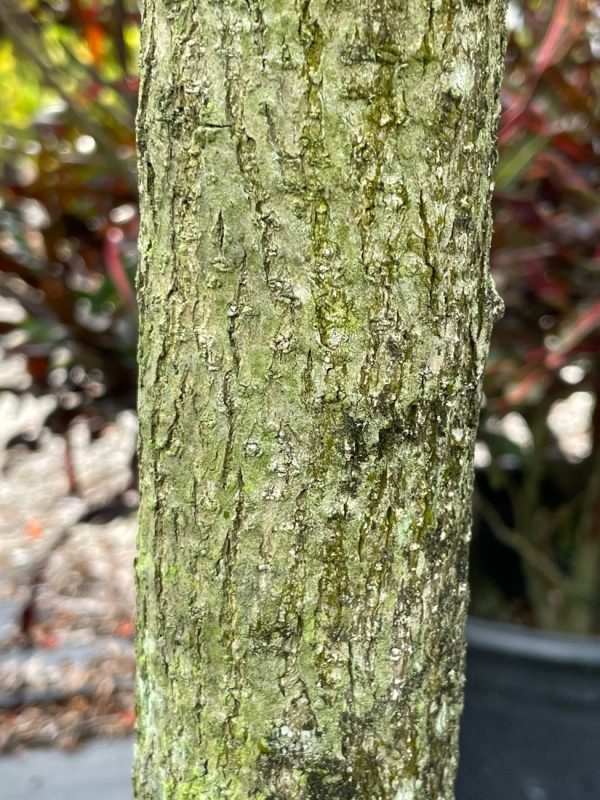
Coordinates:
<point>68,227</point>
<point>69,216</point>
<point>536,552</point>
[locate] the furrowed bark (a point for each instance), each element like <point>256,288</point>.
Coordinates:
<point>316,307</point>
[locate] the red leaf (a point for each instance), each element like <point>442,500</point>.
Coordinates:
<point>560,35</point>
<point>587,321</point>
<point>114,266</point>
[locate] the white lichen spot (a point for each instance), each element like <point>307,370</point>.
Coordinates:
<point>395,654</point>
<point>441,721</point>
<point>406,791</point>
<point>461,80</point>
<point>435,363</point>
<point>458,434</point>
<point>251,449</point>
<point>335,337</point>
<point>402,530</point>
<point>282,343</point>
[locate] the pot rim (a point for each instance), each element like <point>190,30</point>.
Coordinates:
<point>505,638</point>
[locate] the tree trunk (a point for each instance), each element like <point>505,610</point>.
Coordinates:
<point>316,308</point>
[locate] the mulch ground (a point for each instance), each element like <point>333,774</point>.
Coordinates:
<point>67,543</point>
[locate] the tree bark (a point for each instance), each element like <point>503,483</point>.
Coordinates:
<point>316,307</point>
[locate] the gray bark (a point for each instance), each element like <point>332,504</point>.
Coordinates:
<point>316,308</point>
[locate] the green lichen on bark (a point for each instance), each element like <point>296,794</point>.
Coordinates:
<point>315,314</point>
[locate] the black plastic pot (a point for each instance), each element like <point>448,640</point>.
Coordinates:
<point>531,724</point>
